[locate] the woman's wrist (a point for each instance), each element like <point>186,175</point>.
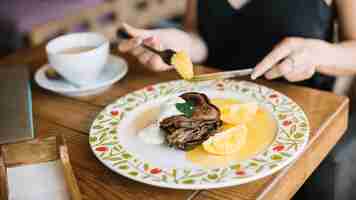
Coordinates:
<point>337,58</point>
<point>325,53</point>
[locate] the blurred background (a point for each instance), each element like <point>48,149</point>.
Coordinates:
<point>29,23</point>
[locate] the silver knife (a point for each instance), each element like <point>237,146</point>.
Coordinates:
<point>223,75</point>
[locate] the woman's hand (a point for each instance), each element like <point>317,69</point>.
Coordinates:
<point>294,58</point>
<point>148,37</point>
<point>161,39</point>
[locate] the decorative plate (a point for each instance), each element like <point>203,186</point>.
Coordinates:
<point>116,147</point>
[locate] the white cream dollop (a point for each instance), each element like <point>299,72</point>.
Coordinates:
<point>152,134</point>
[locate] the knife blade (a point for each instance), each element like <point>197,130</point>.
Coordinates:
<point>223,75</point>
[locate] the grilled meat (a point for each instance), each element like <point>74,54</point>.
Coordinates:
<point>186,133</point>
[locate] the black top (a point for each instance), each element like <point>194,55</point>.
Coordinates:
<point>241,38</point>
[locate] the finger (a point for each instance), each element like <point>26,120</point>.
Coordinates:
<point>271,60</point>
<point>145,57</point>
<point>136,32</point>
<point>156,64</point>
<point>281,51</point>
<point>128,45</point>
<point>273,73</point>
<point>137,51</point>
<point>296,67</point>
<point>287,69</point>
<point>301,74</point>
<point>153,42</point>
<point>287,66</point>
<point>294,72</point>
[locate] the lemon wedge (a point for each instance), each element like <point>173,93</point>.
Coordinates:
<point>233,112</point>
<point>224,103</point>
<point>227,142</point>
<point>183,65</point>
<point>240,113</point>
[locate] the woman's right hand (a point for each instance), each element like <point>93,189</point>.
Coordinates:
<point>159,39</point>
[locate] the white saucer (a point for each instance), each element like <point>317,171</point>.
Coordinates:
<point>115,69</point>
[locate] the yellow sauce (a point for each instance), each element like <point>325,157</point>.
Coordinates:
<point>261,132</point>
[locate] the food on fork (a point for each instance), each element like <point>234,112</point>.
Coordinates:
<point>199,121</point>
<point>183,65</point>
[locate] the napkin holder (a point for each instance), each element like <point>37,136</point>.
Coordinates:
<point>35,152</point>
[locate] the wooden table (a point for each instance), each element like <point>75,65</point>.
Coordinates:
<point>54,114</point>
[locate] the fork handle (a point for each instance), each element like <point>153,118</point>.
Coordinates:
<point>152,49</point>
<point>121,33</point>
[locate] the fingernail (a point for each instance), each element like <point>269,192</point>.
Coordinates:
<point>253,76</point>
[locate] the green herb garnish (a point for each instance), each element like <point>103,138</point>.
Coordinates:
<point>186,108</point>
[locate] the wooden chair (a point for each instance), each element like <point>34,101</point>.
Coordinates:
<point>142,13</point>
<point>107,16</point>
<point>102,18</point>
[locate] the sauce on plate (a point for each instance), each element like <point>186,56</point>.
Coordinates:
<point>261,132</point>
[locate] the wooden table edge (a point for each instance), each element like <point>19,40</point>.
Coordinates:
<point>283,173</point>
<point>325,125</point>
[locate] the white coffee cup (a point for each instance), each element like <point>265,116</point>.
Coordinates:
<point>80,68</point>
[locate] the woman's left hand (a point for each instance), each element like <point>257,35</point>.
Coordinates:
<point>294,58</point>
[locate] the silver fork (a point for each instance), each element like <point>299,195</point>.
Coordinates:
<point>223,75</point>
